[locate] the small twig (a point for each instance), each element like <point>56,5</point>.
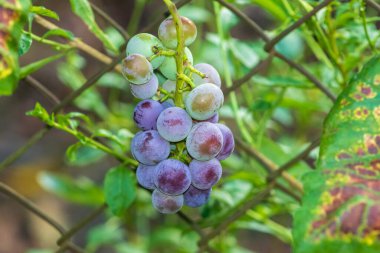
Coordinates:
<point>374,5</point>
<point>244,17</point>
<point>309,76</point>
<point>268,164</point>
<point>42,89</point>
<point>79,44</point>
<point>294,160</point>
<point>239,82</point>
<point>256,199</point>
<point>20,151</point>
<point>295,25</point>
<point>110,20</point>
<point>83,222</point>
<point>30,206</point>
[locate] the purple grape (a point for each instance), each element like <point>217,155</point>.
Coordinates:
<point>145,175</point>
<point>146,113</point>
<point>166,203</point>
<point>174,124</point>
<point>195,197</point>
<point>213,119</point>
<point>149,147</point>
<point>204,141</point>
<point>204,101</point>
<point>228,142</point>
<point>172,177</point>
<point>146,90</point>
<point>205,174</point>
<point>212,75</point>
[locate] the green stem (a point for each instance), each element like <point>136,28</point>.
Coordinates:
<point>228,78</point>
<point>196,71</point>
<point>80,136</point>
<point>180,51</point>
<point>363,16</point>
<point>56,45</point>
<point>186,79</point>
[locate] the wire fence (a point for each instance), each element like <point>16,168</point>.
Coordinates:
<point>274,171</point>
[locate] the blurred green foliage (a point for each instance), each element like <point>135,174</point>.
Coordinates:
<point>278,111</point>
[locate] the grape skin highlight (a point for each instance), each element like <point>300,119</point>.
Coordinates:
<point>228,142</point>
<point>143,44</point>
<point>137,69</point>
<point>174,124</point>
<point>172,177</point>
<point>149,147</point>
<point>146,90</point>
<point>212,75</point>
<point>204,141</point>
<point>205,174</point>
<point>204,101</point>
<point>145,175</point>
<point>146,113</point>
<point>168,34</point>
<point>165,203</point>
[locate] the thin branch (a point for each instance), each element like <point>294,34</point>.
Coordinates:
<point>30,206</point>
<point>309,76</point>
<point>294,160</point>
<point>77,43</point>
<point>20,151</point>
<point>374,5</point>
<point>262,34</point>
<point>42,89</point>
<point>244,17</point>
<point>268,164</point>
<point>88,84</point>
<point>83,222</point>
<point>295,25</point>
<point>111,21</point>
<point>239,82</point>
<point>256,199</point>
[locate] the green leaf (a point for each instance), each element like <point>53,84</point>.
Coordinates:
<point>80,155</point>
<point>81,190</point>
<point>59,32</point>
<point>14,16</point>
<point>43,11</point>
<point>39,112</point>
<point>341,209</point>
<point>119,189</point>
<point>24,44</point>
<point>33,67</point>
<point>82,8</point>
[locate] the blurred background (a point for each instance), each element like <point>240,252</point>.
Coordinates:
<point>278,111</point>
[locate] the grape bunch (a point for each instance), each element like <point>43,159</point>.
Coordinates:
<point>180,144</point>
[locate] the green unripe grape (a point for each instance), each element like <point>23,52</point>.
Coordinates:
<point>137,69</point>
<point>169,68</point>
<point>168,34</point>
<point>161,78</point>
<point>143,43</point>
<point>204,101</point>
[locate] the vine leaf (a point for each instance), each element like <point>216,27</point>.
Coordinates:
<point>13,14</point>
<point>341,207</point>
<point>43,11</point>
<point>120,189</point>
<point>82,8</point>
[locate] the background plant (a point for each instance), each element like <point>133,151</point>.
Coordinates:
<point>279,82</point>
